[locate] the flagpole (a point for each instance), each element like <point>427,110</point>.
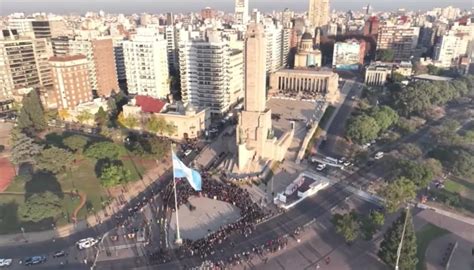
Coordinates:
<point>178,241</point>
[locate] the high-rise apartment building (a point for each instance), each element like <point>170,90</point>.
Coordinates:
<point>208,13</point>
<point>401,39</point>
<point>318,13</point>
<point>119,58</point>
<point>18,67</point>
<point>172,47</point>
<point>101,63</point>
<point>241,12</point>
<point>146,64</point>
<point>274,51</point>
<point>211,74</point>
<point>43,51</point>
<point>39,27</point>
<point>71,80</point>
<point>450,48</point>
<point>371,26</point>
<point>60,45</point>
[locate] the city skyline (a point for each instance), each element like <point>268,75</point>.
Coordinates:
<point>113,6</point>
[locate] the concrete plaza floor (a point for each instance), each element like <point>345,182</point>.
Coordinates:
<point>207,217</point>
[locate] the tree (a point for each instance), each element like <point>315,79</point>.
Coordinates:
<point>389,246</point>
<point>411,150</point>
<point>397,77</point>
<point>84,117</point>
<point>24,148</point>
<point>397,193</point>
<point>385,55</point>
<point>156,125</point>
<point>156,147</point>
<point>417,172</point>
<point>362,129</point>
<point>31,115</point>
<point>347,226</point>
<point>76,142</point>
<point>113,175</point>
<point>463,164</point>
<point>54,159</point>
<point>101,117</point>
<point>434,166</point>
<point>40,206</point>
<point>377,218</point>
<point>128,122</point>
<point>104,150</point>
<point>414,98</point>
<point>384,116</point>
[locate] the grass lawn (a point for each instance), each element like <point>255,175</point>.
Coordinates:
<point>453,186</point>
<point>424,236</point>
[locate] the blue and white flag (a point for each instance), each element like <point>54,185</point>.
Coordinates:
<point>180,170</point>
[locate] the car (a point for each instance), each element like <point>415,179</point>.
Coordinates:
<point>379,155</point>
<point>214,130</point>
<point>320,167</point>
<point>5,262</point>
<point>342,160</point>
<point>58,254</point>
<point>35,260</point>
<point>86,243</point>
<point>313,159</point>
<point>188,152</point>
<point>347,164</point>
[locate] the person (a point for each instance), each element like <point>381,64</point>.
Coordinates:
<point>317,266</point>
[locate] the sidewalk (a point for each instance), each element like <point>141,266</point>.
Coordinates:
<point>133,190</point>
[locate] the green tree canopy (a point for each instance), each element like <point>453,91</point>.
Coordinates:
<point>113,175</point>
<point>347,225</point>
<point>84,117</point>
<point>463,164</point>
<point>362,129</point>
<point>76,142</point>
<point>434,166</point>
<point>104,150</point>
<point>31,115</point>
<point>411,150</point>
<point>389,246</point>
<point>385,55</point>
<point>101,117</point>
<point>156,125</point>
<point>54,159</point>
<point>397,193</point>
<point>384,116</point>
<point>40,206</point>
<point>377,218</point>
<point>24,148</point>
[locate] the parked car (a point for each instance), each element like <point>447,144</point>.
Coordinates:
<point>188,152</point>
<point>59,254</point>
<point>320,167</point>
<point>5,262</point>
<point>35,260</point>
<point>379,155</point>
<point>347,164</point>
<point>86,243</point>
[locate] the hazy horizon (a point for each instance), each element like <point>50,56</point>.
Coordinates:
<point>161,6</point>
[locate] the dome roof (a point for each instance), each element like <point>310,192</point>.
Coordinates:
<point>307,35</point>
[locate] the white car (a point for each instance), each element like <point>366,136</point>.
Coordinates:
<point>320,167</point>
<point>187,152</point>
<point>378,155</point>
<point>86,243</point>
<point>5,262</point>
<point>347,164</point>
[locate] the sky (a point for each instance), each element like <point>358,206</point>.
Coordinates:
<point>162,6</point>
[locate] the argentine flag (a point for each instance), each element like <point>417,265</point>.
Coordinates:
<point>180,170</point>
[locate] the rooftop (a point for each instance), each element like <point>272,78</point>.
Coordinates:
<point>149,104</point>
<point>428,77</point>
<point>307,71</point>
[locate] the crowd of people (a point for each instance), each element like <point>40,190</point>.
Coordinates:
<point>250,212</point>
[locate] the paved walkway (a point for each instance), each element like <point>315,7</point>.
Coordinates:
<point>208,216</point>
<point>133,190</point>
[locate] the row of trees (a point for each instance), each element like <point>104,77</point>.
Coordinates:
<point>370,124</point>
<point>351,225</point>
<point>419,97</point>
<point>154,124</point>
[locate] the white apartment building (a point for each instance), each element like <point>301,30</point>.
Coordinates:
<point>274,38</point>
<point>43,51</point>
<point>449,48</point>
<point>285,46</point>
<point>402,39</point>
<point>146,64</point>
<point>211,74</point>
<point>241,11</point>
